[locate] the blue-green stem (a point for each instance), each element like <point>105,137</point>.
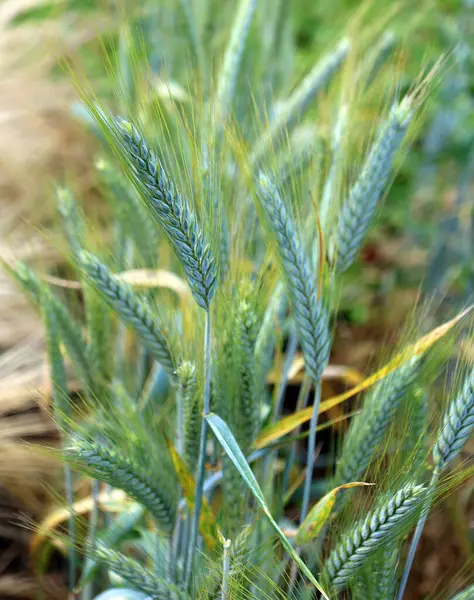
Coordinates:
<point>177,533</point>
<point>417,535</point>
<point>200,474</point>
<point>225,571</point>
<point>92,532</point>
<point>278,405</point>
<point>301,403</point>
<point>71,526</point>
<point>311,450</point>
<point>290,355</point>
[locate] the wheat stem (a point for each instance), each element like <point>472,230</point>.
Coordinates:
<point>291,349</point>
<point>417,535</point>
<point>301,403</point>
<point>311,450</point>
<point>91,533</point>
<point>225,570</point>
<point>200,473</point>
<point>59,393</point>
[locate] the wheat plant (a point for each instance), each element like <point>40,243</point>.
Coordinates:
<point>225,246</point>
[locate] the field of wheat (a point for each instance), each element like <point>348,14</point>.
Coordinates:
<point>237,283</point>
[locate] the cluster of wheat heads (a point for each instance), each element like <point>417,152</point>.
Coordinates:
<point>217,253</point>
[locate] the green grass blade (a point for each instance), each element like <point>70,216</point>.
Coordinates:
<point>228,442</point>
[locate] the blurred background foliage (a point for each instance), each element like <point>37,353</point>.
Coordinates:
<point>424,232</point>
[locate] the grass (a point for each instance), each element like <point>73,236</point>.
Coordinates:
<point>196,189</point>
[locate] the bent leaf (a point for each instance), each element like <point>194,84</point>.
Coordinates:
<point>319,514</point>
<point>115,502</point>
<point>207,520</point>
<point>149,278</point>
<point>229,443</point>
<point>116,533</point>
<point>288,424</point>
<point>136,278</point>
<point>346,374</point>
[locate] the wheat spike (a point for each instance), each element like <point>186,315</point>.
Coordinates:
<point>457,426</point>
<point>137,575</point>
<point>173,213</point>
<point>247,402</point>
<point>379,527</point>
<point>311,317</point>
<point>369,427</point>
<point>186,375</point>
<point>70,331</point>
<point>467,594</point>
<point>359,208</point>
<point>105,464</point>
<point>233,56</point>
<point>130,309</point>
<point>294,106</point>
<point>385,577</point>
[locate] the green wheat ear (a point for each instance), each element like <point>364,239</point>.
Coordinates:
<point>192,409</point>
<point>457,427</point>
<point>69,330</point>
<point>172,212</point>
<point>369,427</point>
<point>310,315</point>
<point>248,405</point>
<point>136,574</point>
<point>105,464</point>
<point>358,210</point>
<point>381,526</point>
<point>130,309</point>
